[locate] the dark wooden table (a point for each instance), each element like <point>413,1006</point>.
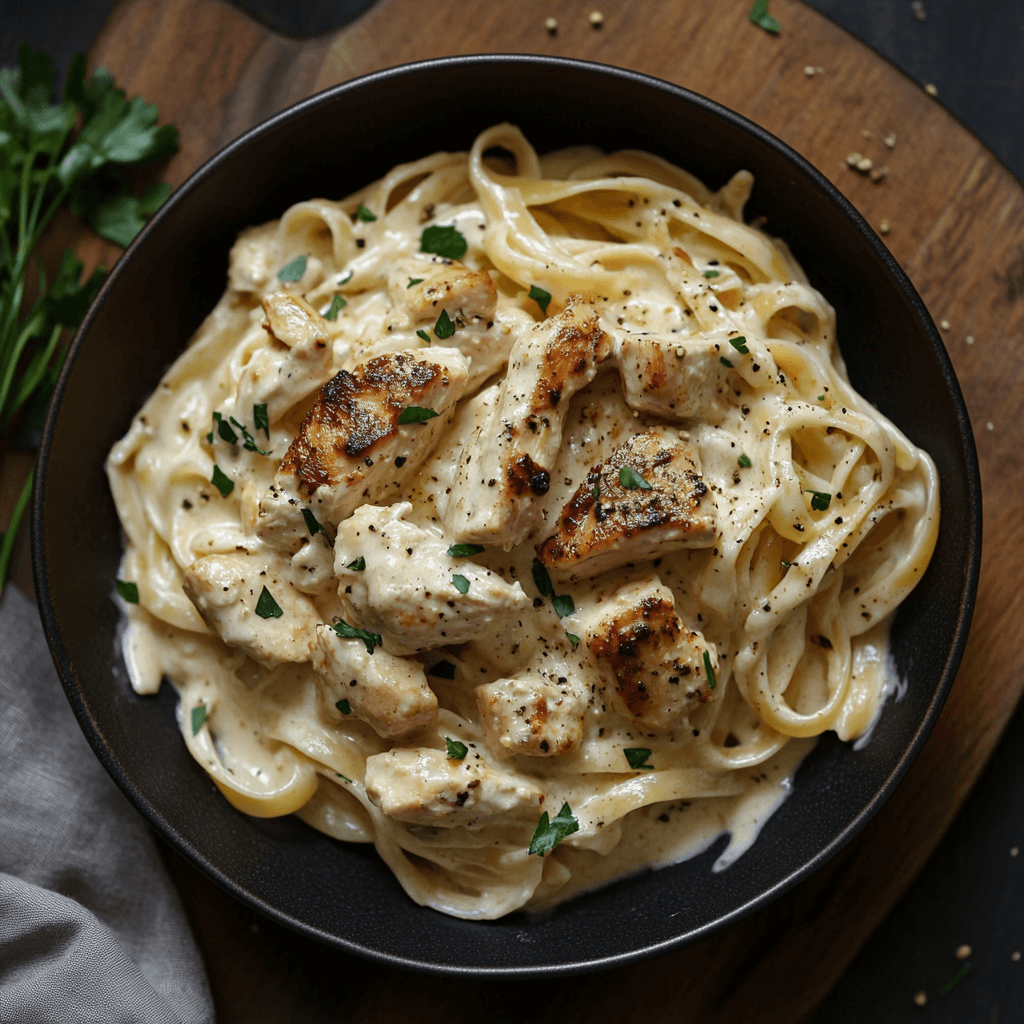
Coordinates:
<point>972,889</point>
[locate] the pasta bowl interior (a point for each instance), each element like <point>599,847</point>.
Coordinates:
<point>521,510</point>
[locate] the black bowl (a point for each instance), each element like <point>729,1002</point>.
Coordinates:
<point>173,275</point>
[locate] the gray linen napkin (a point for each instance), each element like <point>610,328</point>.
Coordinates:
<point>91,928</point>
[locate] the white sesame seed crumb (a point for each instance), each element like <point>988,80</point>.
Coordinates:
<point>809,71</point>
<point>890,140</point>
<point>990,425</point>
<point>879,174</point>
<point>931,90</point>
<point>596,18</point>
<point>920,999</point>
<point>854,158</point>
<point>919,12</point>
<point>963,952</point>
<point>944,324</point>
<point>1014,851</point>
<point>1016,955</point>
<point>885,227</point>
<point>866,134</point>
<point>970,339</point>
<point>865,164</point>
<point>551,24</point>
<point>819,70</point>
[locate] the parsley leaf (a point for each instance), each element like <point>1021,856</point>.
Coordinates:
<point>199,713</point>
<point>412,281</point>
<point>456,750</point>
<point>549,834</point>
<point>267,607</point>
<point>442,670</point>
<point>359,565</point>
<point>343,629</point>
<point>445,241</point>
<point>464,550</point>
<point>563,605</point>
<point>293,271</point>
<point>225,431</point>
<point>460,583</point>
<point>542,579</point>
<point>312,523</point>
<point>541,297</point>
<point>744,461</point>
<point>248,441</point>
<point>364,214</point>
<point>128,591</point>
<point>573,639</point>
<point>725,362</point>
<point>424,336</point>
<point>337,304</point>
<point>740,344</point>
<point>636,756</point>
<point>631,479</point>
<point>415,414</point>
<point>711,273</point>
<point>223,483</point>
<point>820,500</point>
<point>344,707</point>
<point>260,419</point>
<point>759,16</point>
<point>444,328</point>
<point>709,669</point>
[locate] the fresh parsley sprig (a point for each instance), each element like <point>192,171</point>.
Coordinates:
<point>549,833</point>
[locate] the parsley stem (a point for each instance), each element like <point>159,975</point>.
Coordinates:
<point>7,544</point>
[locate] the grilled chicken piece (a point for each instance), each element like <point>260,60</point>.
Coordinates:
<point>631,523</point>
<point>296,363</point>
<point>670,377</point>
<point>407,592</point>
<point>226,590</point>
<point>351,449</point>
<point>442,284</point>
<point>508,465</point>
<point>656,662</point>
<point>424,786</point>
<point>389,693</point>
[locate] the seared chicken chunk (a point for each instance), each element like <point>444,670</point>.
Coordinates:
<point>424,786</point>
<point>442,284</point>
<point>650,499</point>
<point>656,662</point>
<point>226,590</point>
<point>412,592</point>
<point>670,377</point>
<point>388,692</point>
<point>300,334</point>
<point>351,447</point>
<point>503,471</point>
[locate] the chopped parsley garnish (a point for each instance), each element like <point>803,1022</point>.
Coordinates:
<point>248,441</point>
<point>820,501</point>
<point>267,607</point>
<point>414,280</point>
<point>541,297</point>
<point>562,603</point>
<point>199,713</point>
<point>549,834</point>
<point>464,550</point>
<point>744,461</point>
<point>364,214</point>
<point>293,271</point>
<point>725,362</point>
<point>709,668</point>
<point>224,429</point>
<point>573,639</point>
<point>456,750</point>
<point>785,563</point>
<point>128,591</point>
<point>445,241</point>
<point>260,419</point>
<point>345,708</point>
<point>424,336</point>
<point>358,565</point>
<point>442,670</point>
<point>338,303</point>
<point>345,777</point>
<point>343,629</point>
<point>711,273</point>
<point>762,19</point>
<point>460,583</point>
<point>312,523</point>
<point>636,756</point>
<point>223,483</point>
<point>444,328</point>
<point>821,398</point>
<point>631,479</point>
<point>415,414</point>
<point>955,980</point>
<point>740,344</point>
<point>596,492</point>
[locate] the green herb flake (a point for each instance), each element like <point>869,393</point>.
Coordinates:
<point>365,215</point>
<point>740,344</point>
<point>312,523</point>
<point>343,629</point>
<point>762,19</point>
<point>424,336</point>
<point>224,429</point>
<point>456,750</point>
<point>445,241</point>
<point>415,414</point>
<point>744,461</point>
<point>821,398</point>
<point>541,297</point>
<point>267,607</point>
<point>631,480</point>
<point>542,579</point>
<point>573,639</point>
<point>460,583</point>
<point>820,500</point>
<point>442,670</point>
<point>260,419</point>
<point>464,550</point>
<point>412,281</point>
<point>223,483</point>
<point>709,669</point>
<point>248,441</point>
<point>293,271</point>
<point>344,707</point>
<point>345,777</point>
<point>338,303</point>
<point>563,605</point>
<point>636,756</point>
<point>128,591</point>
<point>209,437</point>
<point>549,834</point>
<point>444,328</point>
<point>956,979</point>
<point>358,565</point>
<point>785,563</point>
<point>199,713</point>
<point>725,362</point>
<point>709,274</point>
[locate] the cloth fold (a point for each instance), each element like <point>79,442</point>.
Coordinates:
<point>91,927</point>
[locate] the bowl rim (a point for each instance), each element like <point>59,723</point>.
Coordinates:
<point>166,830</point>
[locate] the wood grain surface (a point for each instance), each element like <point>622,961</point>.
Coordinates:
<point>956,220</point>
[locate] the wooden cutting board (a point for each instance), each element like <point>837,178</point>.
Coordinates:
<point>956,223</point>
